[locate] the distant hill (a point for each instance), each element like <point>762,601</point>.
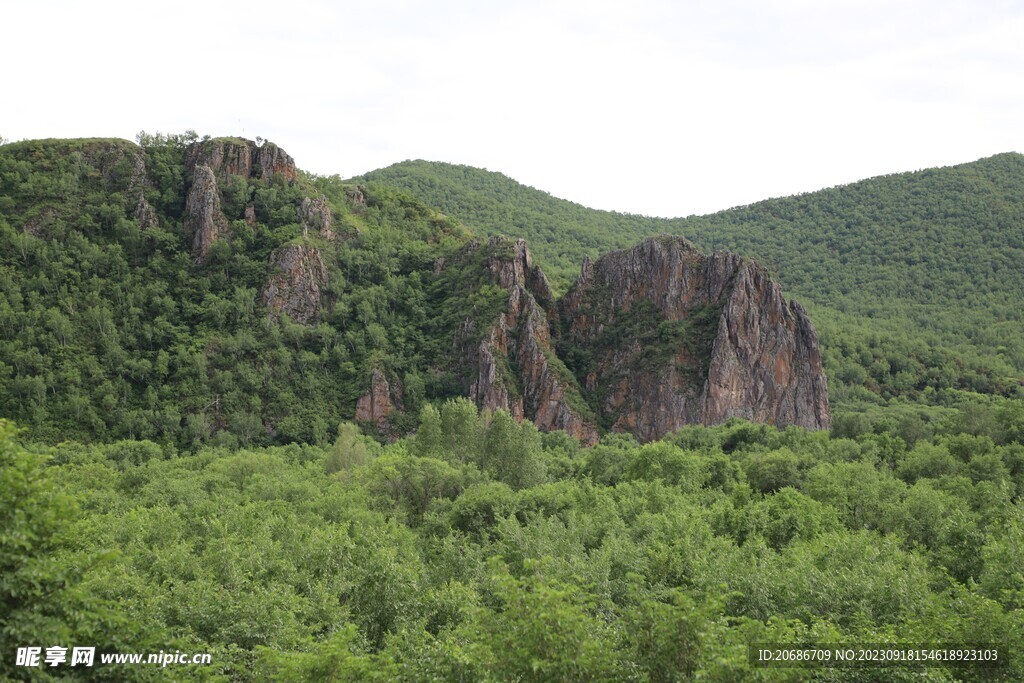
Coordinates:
<point>916,279</point>
<point>560,232</point>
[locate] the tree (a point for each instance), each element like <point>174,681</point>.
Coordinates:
<point>429,440</point>
<point>37,591</point>
<point>350,450</point>
<point>541,631</point>
<point>512,452</point>
<point>462,429</point>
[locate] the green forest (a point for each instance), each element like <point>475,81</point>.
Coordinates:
<point>484,550</point>
<point>180,469</point>
<point>913,280</point>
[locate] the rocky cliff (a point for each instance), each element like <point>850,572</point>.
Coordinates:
<point>514,366</point>
<point>236,156</point>
<point>380,401</point>
<point>296,286</point>
<point>212,162</point>
<point>205,223</point>
<point>663,336</point>
<point>657,337</point>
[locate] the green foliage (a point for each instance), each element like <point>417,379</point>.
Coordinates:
<point>542,630</point>
<point>351,450</point>
<point>33,514</point>
<point>511,452</point>
<point>912,279</point>
<point>653,562</point>
<point>479,549</point>
<point>109,329</point>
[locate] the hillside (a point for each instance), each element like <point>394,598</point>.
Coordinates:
<point>560,232</point>
<point>189,291</point>
<point>915,280</point>
<point>193,291</point>
<point>295,428</point>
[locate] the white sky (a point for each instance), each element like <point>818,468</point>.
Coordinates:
<point>660,108</point>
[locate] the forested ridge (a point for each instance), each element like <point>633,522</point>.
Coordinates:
<point>914,280</point>
<point>179,468</point>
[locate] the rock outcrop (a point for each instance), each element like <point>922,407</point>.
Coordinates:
<point>272,160</point>
<point>235,156</point>
<point>381,400</point>
<point>213,162</point>
<point>314,214</point>
<point>514,365</point>
<point>296,287</point>
<point>664,336</point>
<point>120,164</point>
<point>205,223</point>
<point>145,214</point>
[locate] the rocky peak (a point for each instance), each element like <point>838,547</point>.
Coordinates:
<point>296,285</point>
<point>225,156</point>
<point>204,221</point>
<point>237,156</point>
<point>272,160</point>
<point>510,263</point>
<point>221,157</point>
<point>514,367</point>
<point>315,214</point>
<point>671,336</point>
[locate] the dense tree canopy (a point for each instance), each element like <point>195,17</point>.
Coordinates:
<point>184,475</point>
<point>914,280</point>
<point>418,561</point>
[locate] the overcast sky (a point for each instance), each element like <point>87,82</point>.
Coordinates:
<point>659,108</point>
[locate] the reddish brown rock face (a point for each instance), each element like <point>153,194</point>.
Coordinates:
<point>516,366</point>
<point>660,336</point>
<point>272,160</point>
<point>230,156</point>
<point>670,337</point>
<point>211,160</point>
<point>204,221</point>
<point>377,404</point>
<point>244,158</point>
<point>296,286</point>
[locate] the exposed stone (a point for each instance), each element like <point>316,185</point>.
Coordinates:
<point>356,196</point>
<point>766,364</point>
<point>223,157</point>
<point>516,367</point>
<point>232,156</point>
<point>145,214</point>
<point>204,221</point>
<point>381,400</point>
<point>315,214</point>
<point>742,352</point>
<point>296,287</point>
<point>120,163</point>
<point>236,156</point>
<point>272,160</point>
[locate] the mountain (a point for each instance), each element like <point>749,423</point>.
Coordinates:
<point>914,280</point>
<point>191,291</point>
<point>188,327</point>
<point>665,336</point>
